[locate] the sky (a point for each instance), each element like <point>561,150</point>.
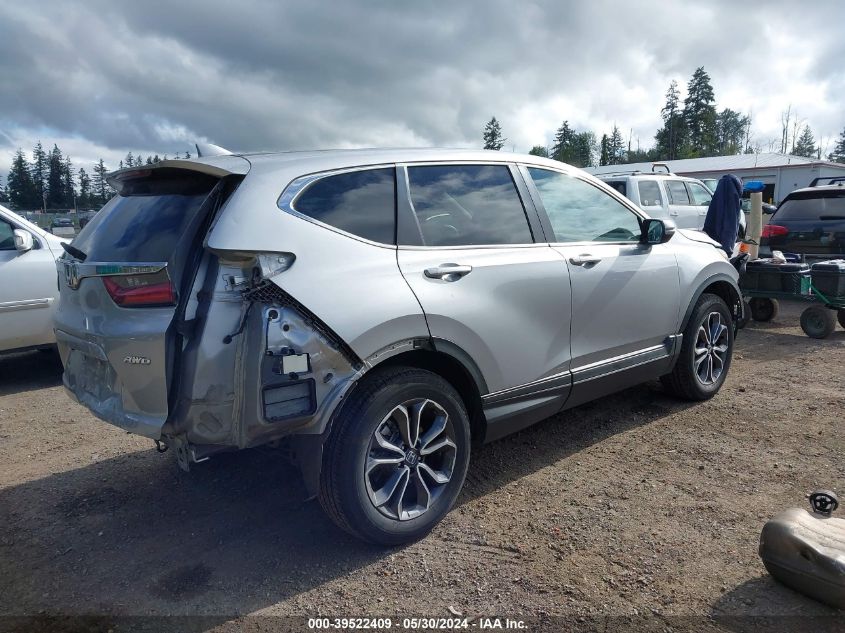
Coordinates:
<point>101,78</point>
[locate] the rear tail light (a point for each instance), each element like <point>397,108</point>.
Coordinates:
<point>773,230</point>
<point>141,291</point>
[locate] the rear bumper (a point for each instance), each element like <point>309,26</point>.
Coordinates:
<point>112,412</point>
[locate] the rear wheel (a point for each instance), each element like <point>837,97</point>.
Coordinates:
<point>706,351</point>
<point>818,322</point>
<point>396,457</point>
<point>763,309</point>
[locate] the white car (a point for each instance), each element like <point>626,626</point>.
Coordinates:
<point>28,283</point>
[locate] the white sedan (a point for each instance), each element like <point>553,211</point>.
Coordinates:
<point>28,283</point>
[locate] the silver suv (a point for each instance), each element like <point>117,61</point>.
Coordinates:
<point>380,310</point>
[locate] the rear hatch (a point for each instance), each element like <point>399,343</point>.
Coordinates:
<point>125,283</point>
<point>811,223</point>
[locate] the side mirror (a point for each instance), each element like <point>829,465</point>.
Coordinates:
<point>656,231</point>
<point>23,241</point>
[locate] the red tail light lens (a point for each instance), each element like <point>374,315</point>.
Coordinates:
<point>141,291</point>
<point>773,230</point>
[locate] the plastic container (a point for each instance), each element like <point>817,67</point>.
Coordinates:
<point>829,278</point>
<point>767,275</point>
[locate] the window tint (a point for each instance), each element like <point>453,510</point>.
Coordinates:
<point>467,205</point>
<point>359,202</point>
<point>149,220</point>
<point>677,192</point>
<point>700,195</point>
<point>650,195</point>
<point>619,185</point>
<point>7,236</point>
<point>580,212</point>
<point>812,206</point>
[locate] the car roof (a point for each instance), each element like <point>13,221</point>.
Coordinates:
<point>819,189</point>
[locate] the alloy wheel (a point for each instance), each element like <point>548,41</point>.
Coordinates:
<point>410,459</point>
<point>711,349</point>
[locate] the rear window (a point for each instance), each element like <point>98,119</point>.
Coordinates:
<point>148,220</point>
<point>650,194</point>
<point>359,202</point>
<point>813,205</point>
<point>619,185</point>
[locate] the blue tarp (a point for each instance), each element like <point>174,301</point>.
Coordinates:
<point>722,221</point>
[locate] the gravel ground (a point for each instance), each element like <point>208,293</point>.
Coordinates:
<point>638,505</point>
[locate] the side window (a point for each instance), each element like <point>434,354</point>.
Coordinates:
<point>472,205</point>
<point>700,196</point>
<point>580,212</point>
<point>677,192</point>
<point>7,236</point>
<point>359,202</point>
<point>619,185</point>
<point>650,195</point>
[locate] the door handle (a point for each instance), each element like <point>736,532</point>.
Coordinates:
<point>584,259</point>
<point>447,272</point>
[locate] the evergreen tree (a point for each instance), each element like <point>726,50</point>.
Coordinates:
<point>806,144</point>
<point>156,159</point>
<point>539,150</point>
<point>4,195</point>
<point>604,152</point>
<point>39,167</point>
<point>188,154</point>
<point>493,138</point>
<point>616,147</point>
<point>670,139</point>
<point>562,144</point>
<point>149,160</point>
<point>129,161</point>
<point>56,193</point>
<point>84,198</point>
<point>584,148</point>
<point>838,153</point>
<point>730,132</point>
<point>21,189</point>
<point>101,191</point>
<point>700,114</point>
<point>68,186</point>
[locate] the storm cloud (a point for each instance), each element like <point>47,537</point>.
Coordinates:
<point>102,78</point>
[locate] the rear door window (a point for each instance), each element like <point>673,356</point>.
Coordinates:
<point>360,202</point>
<point>677,192</point>
<point>650,195</point>
<point>822,205</point>
<point>7,236</point>
<point>619,185</point>
<point>148,220</point>
<point>467,205</point>
<point>699,195</point>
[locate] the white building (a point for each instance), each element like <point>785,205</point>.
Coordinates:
<point>780,173</point>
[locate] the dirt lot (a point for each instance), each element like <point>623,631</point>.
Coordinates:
<point>637,505</point>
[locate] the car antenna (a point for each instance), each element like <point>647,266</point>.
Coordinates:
<point>209,149</point>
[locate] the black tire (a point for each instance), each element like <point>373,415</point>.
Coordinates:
<point>345,490</point>
<point>763,309</point>
<point>685,381</point>
<point>840,316</point>
<point>818,322</point>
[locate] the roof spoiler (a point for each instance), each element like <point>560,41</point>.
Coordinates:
<point>830,180</point>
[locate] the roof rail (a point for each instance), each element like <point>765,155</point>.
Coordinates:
<point>830,180</point>
<point>633,172</point>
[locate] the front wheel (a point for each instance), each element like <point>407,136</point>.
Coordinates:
<point>396,457</point>
<point>706,351</point>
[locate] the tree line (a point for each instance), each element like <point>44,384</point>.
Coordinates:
<point>691,128</point>
<point>50,181</point>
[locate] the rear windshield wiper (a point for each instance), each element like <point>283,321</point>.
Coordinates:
<point>74,252</point>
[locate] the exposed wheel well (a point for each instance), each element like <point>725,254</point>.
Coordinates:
<point>456,374</point>
<point>720,288</point>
